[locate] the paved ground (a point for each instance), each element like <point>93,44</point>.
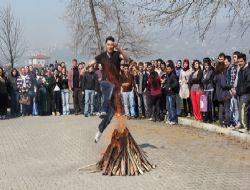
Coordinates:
<point>45,152</point>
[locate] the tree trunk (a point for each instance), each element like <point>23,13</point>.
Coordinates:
<point>97,30</point>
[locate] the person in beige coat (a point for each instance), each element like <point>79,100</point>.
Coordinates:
<point>184,88</point>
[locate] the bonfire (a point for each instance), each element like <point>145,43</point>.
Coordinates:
<point>123,156</point>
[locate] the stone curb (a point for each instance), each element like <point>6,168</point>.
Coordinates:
<point>213,128</point>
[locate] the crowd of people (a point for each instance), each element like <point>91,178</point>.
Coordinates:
<point>210,90</point>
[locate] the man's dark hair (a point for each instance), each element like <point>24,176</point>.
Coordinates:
<point>222,55</point>
<point>163,63</point>
<point>236,53</point>
<point>149,64</point>
<point>110,38</point>
<point>242,56</point>
<point>228,57</point>
<point>75,60</point>
<point>140,64</point>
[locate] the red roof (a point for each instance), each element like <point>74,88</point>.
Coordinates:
<point>40,56</point>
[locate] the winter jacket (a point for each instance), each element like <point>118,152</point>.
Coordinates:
<point>243,85</point>
<point>144,80</point>
<point>207,80</point>
<point>71,78</point>
<point>222,89</point>
<point>155,91</point>
<point>53,83</point>
<point>197,80</point>
<point>89,81</point>
<point>20,82</point>
<point>171,84</point>
<point>4,85</point>
<point>183,81</point>
<point>13,83</point>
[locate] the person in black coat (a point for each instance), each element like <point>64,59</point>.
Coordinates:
<point>55,87</point>
<point>223,94</point>
<point>141,88</point>
<point>195,84</point>
<point>208,89</point>
<point>243,91</point>
<point>89,87</point>
<point>4,87</point>
<point>15,106</point>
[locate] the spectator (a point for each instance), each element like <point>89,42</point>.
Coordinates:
<point>184,88</point>
<point>154,84</point>
<point>195,82</point>
<point>171,90</point>
<point>150,68</point>
<point>223,94</point>
<point>15,107</point>
<point>89,89</point>
<point>4,85</point>
<point>141,89</point>
<point>234,104</point>
<point>32,89</point>
<point>178,70</point>
<point>64,91</point>
<point>55,87</point>
<point>243,91</point>
<point>74,85</point>
<point>23,86</point>
<point>127,89</point>
<point>42,96</point>
<point>208,89</point>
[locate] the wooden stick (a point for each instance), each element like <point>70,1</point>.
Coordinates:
<point>107,163</point>
<point>85,167</point>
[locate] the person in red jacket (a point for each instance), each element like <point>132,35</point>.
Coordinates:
<point>154,84</point>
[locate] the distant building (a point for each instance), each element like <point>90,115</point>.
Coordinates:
<point>39,60</point>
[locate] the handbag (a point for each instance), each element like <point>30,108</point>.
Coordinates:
<point>24,99</point>
<point>203,103</point>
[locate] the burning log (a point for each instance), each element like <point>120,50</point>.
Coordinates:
<point>123,156</point>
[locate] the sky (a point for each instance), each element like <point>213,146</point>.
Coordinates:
<point>44,30</point>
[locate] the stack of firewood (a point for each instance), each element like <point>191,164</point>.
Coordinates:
<point>123,157</point>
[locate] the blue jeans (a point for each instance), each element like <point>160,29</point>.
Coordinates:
<point>65,101</point>
<point>107,119</point>
<point>129,103</point>
<point>234,110</point>
<point>171,108</point>
<point>97,102</point>
<point>89,101</point>
<point>107,89</point>
<point>143,103</point>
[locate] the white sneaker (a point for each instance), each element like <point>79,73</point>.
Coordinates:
<point>167,122</point>
<point>172,123</point>
<point>150,119</point>
<point>98,136</point>
<point>243,130</point>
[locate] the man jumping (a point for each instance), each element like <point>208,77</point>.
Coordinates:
<point>110,84</point>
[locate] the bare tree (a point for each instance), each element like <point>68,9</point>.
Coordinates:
<point>92,20</point>
<point>11,44</point>
<point>202,14</point>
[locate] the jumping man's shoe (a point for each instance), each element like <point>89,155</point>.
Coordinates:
<point>98,136</point>
<point>102,115</point>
